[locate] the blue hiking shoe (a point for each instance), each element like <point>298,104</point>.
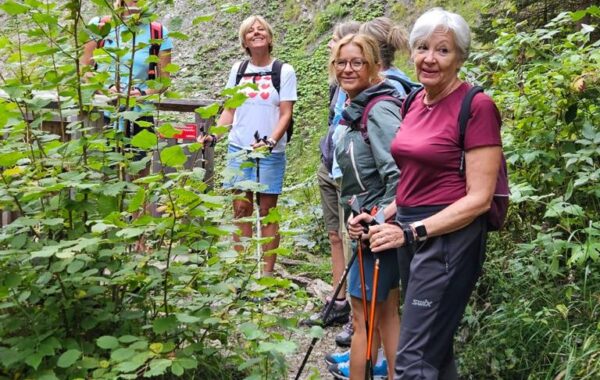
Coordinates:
<point>342,370</point>
<point>337,357</point>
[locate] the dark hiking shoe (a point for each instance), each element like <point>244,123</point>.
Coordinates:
<point>337,315</point>
<point>344,338</point>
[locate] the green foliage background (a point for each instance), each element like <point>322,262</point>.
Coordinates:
<point>78,301</point>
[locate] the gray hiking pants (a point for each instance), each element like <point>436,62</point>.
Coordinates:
<point>437,278</point>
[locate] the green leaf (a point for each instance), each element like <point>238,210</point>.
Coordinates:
<point>171,68</point>
<point>131,232</point>
<point>158,367</point>
<point>208,111</point>
<point>167,130</point>
<point>68,358</point>
<point>251,331</point>
<point>173,156</point>
<point>34,360</point>
<point>75,266</point>
<point>235,101</point>
<point>187,363</point>
<point>285,347</point>
<point>204,18</point>
<point>107,342</point>
<point>137,200</point>
<point>144,140</point>
<point>177,369</point>
<point>165,324</point>
<point>186,318</point>
<point>122,354</point>
<point>316,332</point>
<point>178,36</point>
<point>13,8</point>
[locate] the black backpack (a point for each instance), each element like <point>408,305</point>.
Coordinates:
<point>499,208</point>
<point>275,74</point>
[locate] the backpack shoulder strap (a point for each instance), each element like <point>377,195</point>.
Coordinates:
<point>406,85</point>
<point>241,71</point>
<point>365,115</point>
<point>156,34</point>
<point>463,120</point>
<point>276,74</point>
<point>103,20</point>
<point>408,101</point>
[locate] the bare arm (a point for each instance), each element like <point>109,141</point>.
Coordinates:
<point>481,175</point>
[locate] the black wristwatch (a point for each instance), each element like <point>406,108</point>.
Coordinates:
<point>420,231</point>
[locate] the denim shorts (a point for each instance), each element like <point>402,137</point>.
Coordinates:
<point>389,275</point>
<point>241,169</point>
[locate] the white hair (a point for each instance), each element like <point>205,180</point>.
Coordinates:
<point>437,19</point>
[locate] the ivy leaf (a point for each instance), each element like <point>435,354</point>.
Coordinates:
<point>68,358</point>
<point>173,156</point>
<point>13,8</point>
<point>144,140</point>
<point>107,342</point>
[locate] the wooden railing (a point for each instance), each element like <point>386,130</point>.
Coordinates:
<point>203,159</point>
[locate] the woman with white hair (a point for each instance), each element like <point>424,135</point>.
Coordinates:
<point>441,212</point>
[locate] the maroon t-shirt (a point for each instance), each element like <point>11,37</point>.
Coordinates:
<point>427,152</point>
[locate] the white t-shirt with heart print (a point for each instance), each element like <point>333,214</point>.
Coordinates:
<point>260,112</point>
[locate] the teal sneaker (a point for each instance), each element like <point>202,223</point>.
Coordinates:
<point>337,357</point>
<point>342,370</point>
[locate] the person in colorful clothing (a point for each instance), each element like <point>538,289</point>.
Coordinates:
<point>441,212</point>
<point>368,172</point>
<point>129,74</point>
<point>268,112</point>
<point>330,197</point>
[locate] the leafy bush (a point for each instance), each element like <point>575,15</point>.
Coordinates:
<point>536,311</point>
<point>79,299</point>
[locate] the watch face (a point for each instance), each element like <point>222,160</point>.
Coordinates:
<point>421,232</point>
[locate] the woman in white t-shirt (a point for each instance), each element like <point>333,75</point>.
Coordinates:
<point>266,111</point>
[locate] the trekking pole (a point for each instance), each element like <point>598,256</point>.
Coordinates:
<point>258,227</point>
<point>355,211</point>
<point>327,312</point>
<point>368,321</point>
<point>369,367</point>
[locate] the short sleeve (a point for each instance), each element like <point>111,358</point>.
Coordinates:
<point>167,43</point>
<point>484,125</point>
<point>288,90</point>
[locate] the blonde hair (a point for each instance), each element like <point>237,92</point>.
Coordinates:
<point>370,52</point>
<point>247,24</point>
<point>390,38</point>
